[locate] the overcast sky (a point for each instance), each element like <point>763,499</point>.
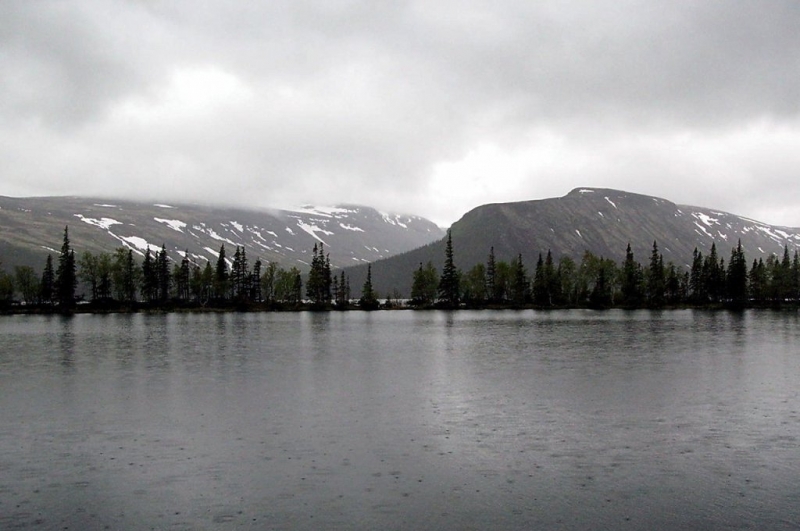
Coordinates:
<point>427,107</point>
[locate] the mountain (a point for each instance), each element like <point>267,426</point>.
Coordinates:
<point>599,220</point>
<point>32,227</point>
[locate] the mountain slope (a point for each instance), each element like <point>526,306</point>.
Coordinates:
<point>599,220</point>
<point>32,227</point>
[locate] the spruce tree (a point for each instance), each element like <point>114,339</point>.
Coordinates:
<point>697,285</point>
<point>551,280</point>
<point>631,280</point>
<point>540,297</point>
<point>221,275</point>
<point>66,279</point>
<point>163,274</point>
<point>129,278</point>
<point>491,277</point>
<point>182,278</point>
<point>319,277</point>
<point>149,277</point>
<point>737,276</point>
<point>343,298</point>
<point>713,275</point>
<point>255,282</point>
<point>48,281</point>
<point>600,296</point>
<point>520,287</point>
<point>449,282</point>
<point>369,300</point>
<point>656,280</point>
<point>235,277</point>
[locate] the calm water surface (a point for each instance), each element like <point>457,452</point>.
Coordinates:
<point>401,420</point>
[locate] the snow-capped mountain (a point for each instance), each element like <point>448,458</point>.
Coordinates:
<point>32,227</point>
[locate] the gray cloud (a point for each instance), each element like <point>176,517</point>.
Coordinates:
<point>431,108</point>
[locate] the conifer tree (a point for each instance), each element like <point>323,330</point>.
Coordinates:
<point>318,286</point>
<point>369,300</point>
<point>327,279</point>
<point>600,296</point>
<point>697,285</point>
<point>149,277</point>
<point>235,277</point>
<point>182,278</point>
<point>672,285</point>
<point>540,297</point>
<point>551,280</point>
<point>449,282</point>
<point>631,280</point>
<point>48,281</point>
<point>221,275</point>
<point>66,279</point>
<point>491,277</point>
<point>163,274</point>
<point>255,282</point>
<point>656,280</point>
<point>343,294</point>
<point>737,276</point>
<point>757,281</point>
<point>297,287</point>
<point>713,275</point>
<point>785,280</point>
<point>520,287</point>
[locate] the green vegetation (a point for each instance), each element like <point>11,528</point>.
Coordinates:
<point>117,282</point>
<point>598,282</point>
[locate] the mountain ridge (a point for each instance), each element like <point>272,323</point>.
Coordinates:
<point>600,220</point>
<point>32,227</point>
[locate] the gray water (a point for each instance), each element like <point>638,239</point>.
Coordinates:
<point>401,420</point>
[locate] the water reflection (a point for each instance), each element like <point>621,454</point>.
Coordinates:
<point>66,340</point>
<point>437,420</point>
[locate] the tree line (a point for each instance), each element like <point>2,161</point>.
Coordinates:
<point>600,282</point>
<point>119,280</point>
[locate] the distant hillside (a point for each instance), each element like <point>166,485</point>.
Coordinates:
<point>599,220</point>
<point>32,227</point>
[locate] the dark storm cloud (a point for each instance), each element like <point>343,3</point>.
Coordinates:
<point>425,107</point>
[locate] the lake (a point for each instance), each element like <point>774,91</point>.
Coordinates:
<point>401,420</point>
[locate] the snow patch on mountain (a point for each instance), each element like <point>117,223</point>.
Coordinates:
<point>313,230</point>
<point>702,227</point>
<point>327,211</point>
<point>708,220</point>
<point>139,244</point>
<point>175,224</point>
<point>395,219</point>
<point>350,227</point>
<point>103,223</point>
